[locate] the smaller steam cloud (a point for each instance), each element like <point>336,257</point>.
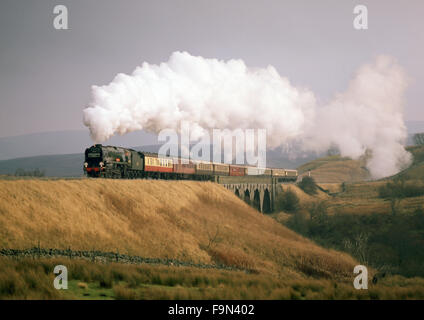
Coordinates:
<point>209,93</point>
<point>367,117</point>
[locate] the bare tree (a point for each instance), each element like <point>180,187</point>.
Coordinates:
<point>358,247</point>
<point>214,238</point>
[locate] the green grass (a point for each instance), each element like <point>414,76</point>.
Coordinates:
<point>93,291</point>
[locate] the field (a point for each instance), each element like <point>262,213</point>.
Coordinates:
<point>196,224</point>
<point>380,223</point>
<point>335,169</point>
<point>32,279</point>
<point>349,188</point>
<point>355,194</point>
<point>188,221</point>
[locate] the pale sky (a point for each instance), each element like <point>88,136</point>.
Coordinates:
<point>46,74</point>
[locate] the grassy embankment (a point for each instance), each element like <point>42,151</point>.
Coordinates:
<point>336,169</point>
<point>188,221</point>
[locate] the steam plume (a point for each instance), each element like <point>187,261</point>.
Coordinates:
<point>209,93</point>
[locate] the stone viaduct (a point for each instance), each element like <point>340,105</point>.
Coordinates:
<point>258,191</point>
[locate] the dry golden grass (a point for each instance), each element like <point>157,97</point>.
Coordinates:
<point>304,197</point>
<point>357,198</point>
<point>331,187</point>
<point>161,219</point>
<point>335,169</point>
<point>363,198</point>
<point>82,285</point>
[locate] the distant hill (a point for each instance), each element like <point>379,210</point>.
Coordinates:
<point>75,141</point>
<point>60,154</point>
<point>63,165</point>
<point>63,142</point>
<point>70,165</point>
<point>67,143</point>
<point>57,165</point>
<point>335,169</point>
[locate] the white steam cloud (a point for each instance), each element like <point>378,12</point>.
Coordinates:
<point>368,116</point>
<point>209,93</point>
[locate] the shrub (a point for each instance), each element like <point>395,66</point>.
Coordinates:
<point>299,223</point>
<point>318,210</point>
<point>232,257</point>
<point>399,189</point>
<point>106,282</point>
<point>288,201</point>
<point>29,173</point>
<point>123,293</point>
<point>308,185</point>
<point>419,139</point>
<point>82,285</point>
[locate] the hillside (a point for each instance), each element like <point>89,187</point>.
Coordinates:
<point>56,165</point>
<point>65,165</point>
<point>381,223</point>
<point>189,221</point>
<point>381,229</point>
<point>63,142</point>
<point>416,170</point>
<point>334,169</point>
<point>191,224</point>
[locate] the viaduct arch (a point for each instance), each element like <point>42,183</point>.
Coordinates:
<point>256,191</point>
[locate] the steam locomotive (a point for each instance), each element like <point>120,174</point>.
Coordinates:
<point>121,163</point>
